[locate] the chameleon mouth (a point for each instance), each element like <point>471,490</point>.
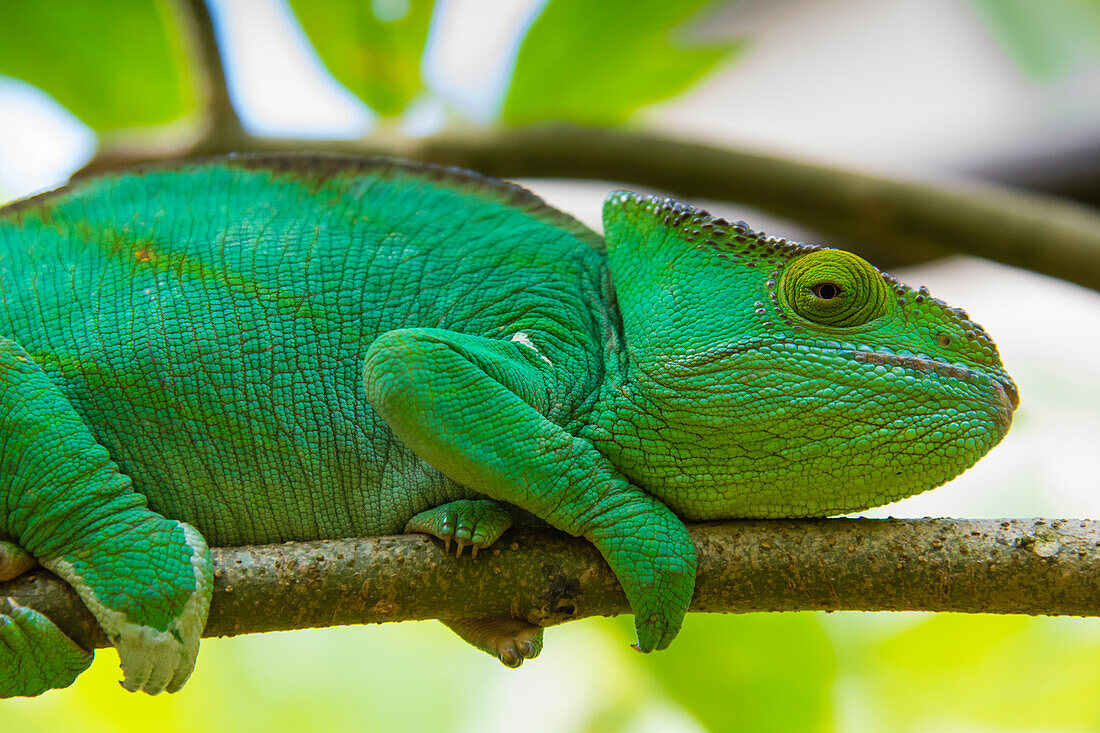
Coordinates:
<point>715,361</point>
<point>1007,393</point>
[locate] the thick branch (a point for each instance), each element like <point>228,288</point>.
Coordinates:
<point>889,221</point>
<point>1032,566</point>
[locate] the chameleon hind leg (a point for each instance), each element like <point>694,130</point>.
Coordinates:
<point>35,655</point>
<point>479,523</point>
<point>146,579</point>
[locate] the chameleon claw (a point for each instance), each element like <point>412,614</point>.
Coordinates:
<point>510,659</point>
<point>529,650</point>
<point>468,523</point>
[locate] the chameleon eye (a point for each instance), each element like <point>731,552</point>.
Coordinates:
<point>825,291</point>
<point>834,288</point>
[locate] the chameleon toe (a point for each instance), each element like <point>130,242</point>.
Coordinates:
<point>510,640</point>
<point>14,561</point>
<point>510,658</point>
<point>35,655</point>
<point>531,647</point>
<point>473,523</point>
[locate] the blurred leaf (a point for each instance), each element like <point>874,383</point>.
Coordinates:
<point>114,65</point>
<point>617,717</point>
<point>372,47</point>
<point>995,671</point>
<point>1045,38</point>
<point>754,672</point>
<point>597,62</point>
<point>352,678</point>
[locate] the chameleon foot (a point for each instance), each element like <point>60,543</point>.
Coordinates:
<point>158,639</point>
<point>146,579</point>
<point>35,655</point>
<point>508,639</point>
<point>14,561</point>
<point>474,522</point>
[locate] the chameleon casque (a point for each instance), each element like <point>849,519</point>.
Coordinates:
<point>261,349</point>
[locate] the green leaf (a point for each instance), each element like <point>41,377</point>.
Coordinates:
<point>1047,39</point>
<point>752,672</point>
<point>112,64</point>
<point>597,62</point>
<point>988,672</point>
<point>372,47</point>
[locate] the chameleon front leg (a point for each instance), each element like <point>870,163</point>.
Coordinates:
<point>476,523</point>
<point>479,523</point>
<point>474,408</point>
<point>146,579</point>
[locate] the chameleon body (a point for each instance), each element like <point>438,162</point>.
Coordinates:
<point>254,350</point>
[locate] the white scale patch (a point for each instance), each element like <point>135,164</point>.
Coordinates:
<point>523,339</point>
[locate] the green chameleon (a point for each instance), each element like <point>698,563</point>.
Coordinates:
<point>262,349</point>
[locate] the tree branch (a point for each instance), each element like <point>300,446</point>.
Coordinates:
<point>220,116</point>
<point>885,219</point>
<point>888,221</point>
<point>1031,566</point>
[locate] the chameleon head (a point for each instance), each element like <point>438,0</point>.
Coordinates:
<point>767,378</point>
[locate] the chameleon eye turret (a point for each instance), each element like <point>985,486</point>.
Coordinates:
<point>834,289</point>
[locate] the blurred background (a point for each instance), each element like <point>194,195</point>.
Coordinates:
<point>1003,91</point>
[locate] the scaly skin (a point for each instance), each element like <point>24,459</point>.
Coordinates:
<point>266,349</point>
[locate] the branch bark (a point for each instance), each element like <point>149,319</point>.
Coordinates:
<point>1029,566</point>
<point>888,221</point>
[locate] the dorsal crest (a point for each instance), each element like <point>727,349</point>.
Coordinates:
<point>660,223</point>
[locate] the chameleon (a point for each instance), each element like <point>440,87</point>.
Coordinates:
<point>257,349</point>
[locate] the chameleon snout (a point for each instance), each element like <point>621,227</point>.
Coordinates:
<point>1010,400</point>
